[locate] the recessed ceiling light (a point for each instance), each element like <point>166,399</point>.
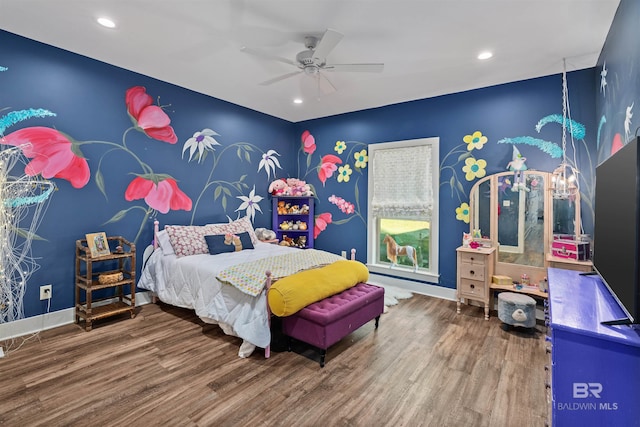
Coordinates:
<point>485,55</point>
<point>297,101</point>
<point>106,22</point>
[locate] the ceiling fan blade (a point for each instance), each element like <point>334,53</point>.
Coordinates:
<point>324,84</point>
<point>326,44</point>
<point>360,68</point>
<point>279,78</point>
<point>264,55</point>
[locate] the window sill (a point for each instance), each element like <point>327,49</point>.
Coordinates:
<point>404,272</point>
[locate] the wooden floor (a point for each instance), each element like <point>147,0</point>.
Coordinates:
<point>424,366</point>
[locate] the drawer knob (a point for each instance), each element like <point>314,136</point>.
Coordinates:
<point>472,272</point>
<point>472,286</point>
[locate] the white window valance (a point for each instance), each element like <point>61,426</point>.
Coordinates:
<point>402,182</point>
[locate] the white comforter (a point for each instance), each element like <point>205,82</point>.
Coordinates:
<point>190,282</point>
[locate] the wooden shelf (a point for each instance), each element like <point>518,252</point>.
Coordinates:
<point>87,281</point>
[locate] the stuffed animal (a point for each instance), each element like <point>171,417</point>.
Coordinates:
<point>466,239</point>
<point>518,166</point>
<point>301,242</point>
<point>265,234</point>
<point>278,187</point>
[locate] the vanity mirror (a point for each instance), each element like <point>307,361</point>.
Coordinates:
<point>521,224</point>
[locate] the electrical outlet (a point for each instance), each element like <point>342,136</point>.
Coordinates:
<point>45,292</point>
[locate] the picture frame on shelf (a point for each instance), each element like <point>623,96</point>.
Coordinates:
<point>98,244</point>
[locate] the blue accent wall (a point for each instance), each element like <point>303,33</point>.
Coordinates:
<point>618,82</point>
<point>500,113</point>
<point>88,99</point>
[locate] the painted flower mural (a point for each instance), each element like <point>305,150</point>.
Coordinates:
<point>353,159</point>
<point>269,162</point>
<point>474,168</point>
<point>361,159</point>
<point>328,167</point>
<point>200,142</point>
<point>475,141</point>
<point>52,155</point>
<point>250,203</point>
<point>148,118</point>
<point>55,154</point>
<point>308,142</point>
<point>345,206</point>
<point>462,212</point>
<point>344,173</point>
<point>223,190</point>
<point>162,196</point>
<point>321,222</point>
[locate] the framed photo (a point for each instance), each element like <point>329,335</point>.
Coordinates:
<point>98,244</point>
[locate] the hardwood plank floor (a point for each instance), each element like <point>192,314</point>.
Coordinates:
<point>424,366</point>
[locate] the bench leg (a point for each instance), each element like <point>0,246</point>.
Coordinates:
<point>288,343</point>
<point>377,321</point>
<point>323,353</point>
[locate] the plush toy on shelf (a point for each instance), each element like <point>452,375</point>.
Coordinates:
<point>290,187</point>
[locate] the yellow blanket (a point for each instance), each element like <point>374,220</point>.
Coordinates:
<point>292,293</point>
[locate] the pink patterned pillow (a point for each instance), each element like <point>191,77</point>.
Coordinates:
<point>188,239</point>
<point>235,227</point>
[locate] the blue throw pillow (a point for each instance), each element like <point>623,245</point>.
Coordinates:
<point>220,243</point>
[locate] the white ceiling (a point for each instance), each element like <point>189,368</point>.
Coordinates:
<point>429,47</point>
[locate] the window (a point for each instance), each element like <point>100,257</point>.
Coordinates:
<point>402,237</point>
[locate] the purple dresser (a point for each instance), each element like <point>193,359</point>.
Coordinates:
<point>595,369</point>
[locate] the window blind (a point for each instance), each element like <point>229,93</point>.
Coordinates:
<point>402,182</point>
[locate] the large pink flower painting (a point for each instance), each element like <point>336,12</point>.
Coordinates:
<point>148,118</point>
<point>321,223</point>
<point>51,153</point>
<point>328,167</point>
<point>163,196</point>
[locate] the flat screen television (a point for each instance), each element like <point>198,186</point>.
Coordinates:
<point>616,237</point>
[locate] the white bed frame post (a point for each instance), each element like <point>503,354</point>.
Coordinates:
<point>267,285</point>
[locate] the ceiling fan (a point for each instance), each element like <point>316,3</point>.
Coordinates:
<point>313,61</point>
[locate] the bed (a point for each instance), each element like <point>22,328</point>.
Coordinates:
<point>179,272</point>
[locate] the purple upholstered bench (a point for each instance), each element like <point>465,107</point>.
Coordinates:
<point>326,322</point>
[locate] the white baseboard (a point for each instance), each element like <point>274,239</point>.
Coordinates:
<point>31,325</point>
<point>416,287</point>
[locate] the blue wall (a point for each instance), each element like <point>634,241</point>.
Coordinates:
<point>88,98</point>
<point>501,113</point>
<point>618,81</point>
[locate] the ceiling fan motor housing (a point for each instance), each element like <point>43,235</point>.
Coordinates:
<point>308,63</point>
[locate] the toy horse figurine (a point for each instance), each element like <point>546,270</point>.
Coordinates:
<point>394,250</point>
<point>232,239</point>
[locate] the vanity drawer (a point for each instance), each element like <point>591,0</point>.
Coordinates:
<point>472,288</point>
<point>471,271</point>
<point>472,258</point>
